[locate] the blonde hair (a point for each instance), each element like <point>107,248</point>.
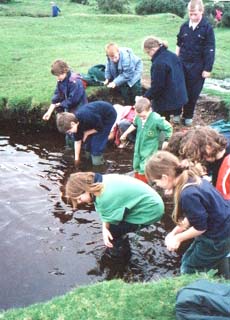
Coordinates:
<point>165,163</point>
<point>142,104</point>
<point>111,48</point>
<point>63,121</point>
<point>81,182</point>
<point>59,67</point>
<point>196,4</point>
<point>153,42</point>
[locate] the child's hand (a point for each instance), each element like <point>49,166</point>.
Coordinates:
<point>106,82</point>
<point>123,138</point>
<point>46,116</point>
<point>206,74</point>
<point>164,145</point>
<point>111,85</point>
<point>107,237</point>
<point>172,243</point>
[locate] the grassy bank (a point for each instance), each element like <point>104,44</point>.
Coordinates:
<point>110,300</point>
<point>31,40</point>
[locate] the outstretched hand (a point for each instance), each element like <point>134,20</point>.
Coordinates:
<point>107,237</point>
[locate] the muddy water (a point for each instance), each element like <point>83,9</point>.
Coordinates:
<point>46,249</point>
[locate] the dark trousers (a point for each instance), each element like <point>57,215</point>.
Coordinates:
<point>167,114</point>
<point>194,84</point>
<point>129,93</point>
<point>96,143</point>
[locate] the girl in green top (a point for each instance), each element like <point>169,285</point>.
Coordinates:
<point>124,204</point>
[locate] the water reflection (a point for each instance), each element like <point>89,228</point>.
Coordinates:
<point>46,248</point>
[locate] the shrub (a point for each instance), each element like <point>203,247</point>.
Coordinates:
<point>5,1</point>
<point>118,6</point>
<point>85,2</point>
<point>177,7</point>
<point>225,22</point>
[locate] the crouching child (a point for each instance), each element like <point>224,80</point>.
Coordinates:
<point>124,203</point>
<point>91,126</point>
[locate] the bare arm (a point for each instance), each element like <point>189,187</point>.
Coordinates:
<point>173,241</point>
<point>49,112</point>
<point>130,129</point>
<point>177,51</point>
<point>77,150</point>
<point>88,133</point>
<point>107,237</point>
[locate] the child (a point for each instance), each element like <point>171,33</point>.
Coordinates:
<point>91,125</point>
<point>196,49</point>
<point>125,116</point>
<point>69,93</point>
<point>149,126</point>
<point>123,203</point>
<point>209,147</point>
<point>200,213</point>
<point>55,9</point>
<point>168,90</point>
<point>123,70</point>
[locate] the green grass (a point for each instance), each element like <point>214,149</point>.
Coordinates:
<point>111,300</point>
<point>29,44</point>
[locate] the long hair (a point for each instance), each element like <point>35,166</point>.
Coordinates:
<point>79,183</point>
<point>194,143</point>
<point>165,163</point>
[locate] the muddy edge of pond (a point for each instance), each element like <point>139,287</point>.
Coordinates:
<point>25,117</point>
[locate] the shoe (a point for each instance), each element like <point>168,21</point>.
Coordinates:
<point>97,160</point>
<point>176,119</point>
<point>188,122</point>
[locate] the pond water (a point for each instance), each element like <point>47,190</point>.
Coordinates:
<point>46,248</point>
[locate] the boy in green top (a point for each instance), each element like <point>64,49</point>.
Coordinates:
<point>150,126</point>
<point>124,204</point>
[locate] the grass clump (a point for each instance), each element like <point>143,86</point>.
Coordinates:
<point>111,300</point>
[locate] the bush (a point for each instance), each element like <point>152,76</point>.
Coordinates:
<point>80,1</point>
<point>118,6</point>
<point>225,22</point>
<point>177,7</point>
<point>5,1</point>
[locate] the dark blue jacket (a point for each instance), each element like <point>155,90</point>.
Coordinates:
<point>55,11</point>
<point>197,45</point>
<point>206,209</point>
<point>98,115</point>
<point>70,92</point>
<point>168,90</point>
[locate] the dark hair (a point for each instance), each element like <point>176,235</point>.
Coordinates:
<point>59,67</point>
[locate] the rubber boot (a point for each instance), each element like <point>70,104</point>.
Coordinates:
<point>87,155</point>
<point>97,160</point>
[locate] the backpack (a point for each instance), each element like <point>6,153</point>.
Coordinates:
<point>95,75</point>
<point>223,127</point>
<point>203,300</point>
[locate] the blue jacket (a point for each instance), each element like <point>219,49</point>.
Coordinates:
<point>168,90</point>
<point>206,209</point>
<point>70,92</point>
<point>98,115</point>
<point>197,45</point>
<point>127,70</point>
